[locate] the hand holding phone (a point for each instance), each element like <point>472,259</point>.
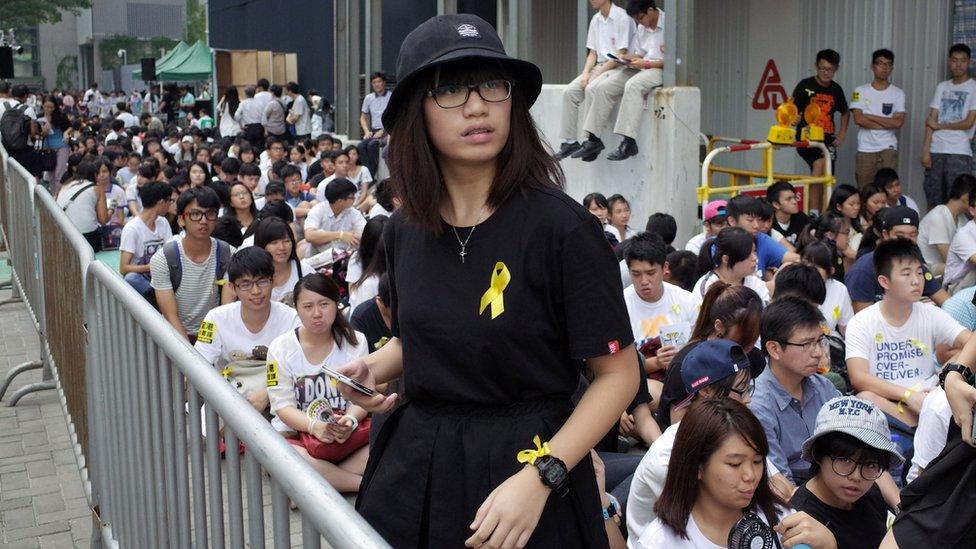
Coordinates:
<point>618,59</point>
<point>348,381</point>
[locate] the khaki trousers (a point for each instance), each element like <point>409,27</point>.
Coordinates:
<point>601,98</point>
<point>575,103</point>
<point>632,104</point>
<point>866,164</point>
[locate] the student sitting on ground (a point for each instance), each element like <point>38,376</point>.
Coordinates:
<point>746,212</point>
<point>714,216</point>
<point>335,222</point>
<point>790,392</point>
<point>717,474</point>
<point>144,234</point>
<point>188,273</point>
<point>331,434</point>
<point>891,344</point>
<point>788,219</point>
<point>836,306</point>
<point>937,228</point>
<point>961,261</point>
<point>653,304</point>
<point>848,452</point>
<point>275,236</point>
<point>863,280</point>
<point>235,337</point>
<point>731,258</point>
<point>887,180</point>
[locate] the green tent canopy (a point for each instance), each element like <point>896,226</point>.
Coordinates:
<point>186,64</point>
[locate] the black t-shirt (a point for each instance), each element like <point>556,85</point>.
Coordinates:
<point>830,99</point>
<point>366,318</point>
<point>864,526</point>
<point>563,302</point>
<point>798,222</point>
<point>170,102</point>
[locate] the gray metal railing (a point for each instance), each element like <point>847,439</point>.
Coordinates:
<point>132,390</point>
<point>157,480</point>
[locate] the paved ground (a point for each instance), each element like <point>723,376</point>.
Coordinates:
<point>42,502</point>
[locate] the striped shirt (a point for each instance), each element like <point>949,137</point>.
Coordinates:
<point>198,292</point>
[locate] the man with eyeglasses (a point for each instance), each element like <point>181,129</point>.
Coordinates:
<point>189,272</point>
<point>235,337</point>
<point>822,90</point>
<point>879,112</point>
<point>790,391</point>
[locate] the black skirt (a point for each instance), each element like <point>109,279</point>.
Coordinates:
<point>434,464</point>
<point>938,509</point>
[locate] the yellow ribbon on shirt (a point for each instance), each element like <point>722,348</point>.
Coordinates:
<point>500,277</point>
<point>529,456</point>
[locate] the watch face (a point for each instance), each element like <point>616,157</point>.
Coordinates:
<point>553,474</point>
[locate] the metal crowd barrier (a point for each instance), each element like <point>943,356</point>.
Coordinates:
<point>741,180</point>
<point>132,388</point>
<point>22,237</point>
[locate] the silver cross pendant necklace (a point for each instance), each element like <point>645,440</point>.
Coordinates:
<point>464,243</point>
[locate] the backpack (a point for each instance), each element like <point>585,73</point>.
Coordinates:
<point>174,261</point>
<point>15,127</point>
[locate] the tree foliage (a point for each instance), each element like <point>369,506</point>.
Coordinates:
<point>196,22</point>
<point>28,13</point>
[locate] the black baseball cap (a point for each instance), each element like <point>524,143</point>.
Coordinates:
<point>448,38</point>
<point>899,215</point>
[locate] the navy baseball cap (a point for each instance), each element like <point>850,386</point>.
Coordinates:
<point>448,38</point>
<point>712,361</point>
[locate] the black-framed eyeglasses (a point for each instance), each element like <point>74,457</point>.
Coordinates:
<point>451,96</point>
<point>747,391</point>
<point>248,285</point>
<point>809,346</point>
<point>197,215</point>
<point>845,467</point>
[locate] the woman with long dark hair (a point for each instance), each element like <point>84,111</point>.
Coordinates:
<point>501,286</point>
<point>229,127</point>
<point>56,132</point>
<point>242,207</point>
<point>717,474</point>
<point>368,263</point>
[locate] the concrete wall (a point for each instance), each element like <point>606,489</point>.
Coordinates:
<point>56,42</point>
<point>664,174</point>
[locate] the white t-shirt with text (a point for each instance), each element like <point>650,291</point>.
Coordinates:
<point>224,339</point>
<point>141,241</point>
<point>903,355</point>
<point>647,319</point>
<point>953,101</point>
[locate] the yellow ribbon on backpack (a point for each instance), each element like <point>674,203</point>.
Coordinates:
<point>500,277</point>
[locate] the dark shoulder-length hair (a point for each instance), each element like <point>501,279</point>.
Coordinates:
<point>735,306</point>
<point>523,162</point>
<point>372,254</point>
<point>700,434</point>
<point>326,287</point>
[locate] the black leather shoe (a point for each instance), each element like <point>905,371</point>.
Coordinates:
<point>589,149</point>
<point>567,149</point>
<point>626,149</point>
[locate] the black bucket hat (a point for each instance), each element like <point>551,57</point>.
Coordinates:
<point>450,38</point>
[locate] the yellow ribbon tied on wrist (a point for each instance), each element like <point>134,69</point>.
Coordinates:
<point>529,456</point>
<point>500,277</point>
<point>904,397</point>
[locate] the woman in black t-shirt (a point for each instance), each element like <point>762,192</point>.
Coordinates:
<point>850,449</point>
<point>501,285</point>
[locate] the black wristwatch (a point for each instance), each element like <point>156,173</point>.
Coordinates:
<point>553,473</point>
<point>950,367</point>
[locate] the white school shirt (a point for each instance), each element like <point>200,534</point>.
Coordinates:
<point>224,339</point>
<point>937,227</point>
<point>648,483</point>
<point>647,319</point>
<point>80,211</point>
<point>294,381</point>
<point>837,308</point>
<point>953,101</point>
<point>141,241</point>
<point>611,33</point>
<point>649,43</point>
<point>695,243</point>
<point>962,247</point>
<point>321,217</point>
<point>132,195</point>
<point>903,355</point>
<point>884,103</point>
<point>752,282</point>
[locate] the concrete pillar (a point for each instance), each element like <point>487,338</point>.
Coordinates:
<point>662,177</point>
